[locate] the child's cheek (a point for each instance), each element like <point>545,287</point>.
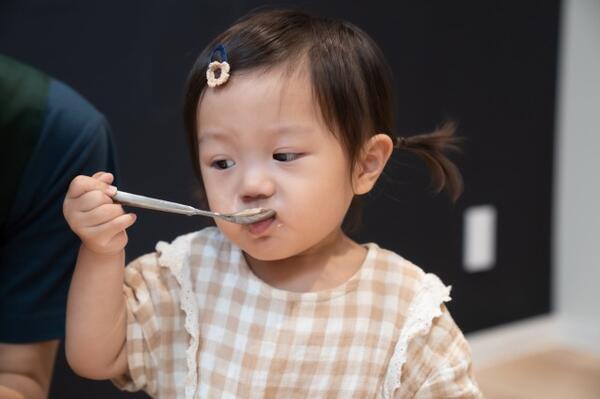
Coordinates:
<point>218,200</point>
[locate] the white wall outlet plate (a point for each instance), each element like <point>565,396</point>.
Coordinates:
<point>479,238</point>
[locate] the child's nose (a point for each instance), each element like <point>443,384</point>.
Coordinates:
<point>256,184</point>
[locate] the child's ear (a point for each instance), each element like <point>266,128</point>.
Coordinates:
<point>374,155</point>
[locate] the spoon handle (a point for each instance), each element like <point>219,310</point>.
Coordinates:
<point>141,201</point>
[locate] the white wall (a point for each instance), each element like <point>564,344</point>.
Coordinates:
<point>577,176</point>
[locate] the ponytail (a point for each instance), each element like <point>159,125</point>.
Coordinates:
<point>431,148</point>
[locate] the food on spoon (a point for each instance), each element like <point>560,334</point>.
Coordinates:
<point>250,212</point>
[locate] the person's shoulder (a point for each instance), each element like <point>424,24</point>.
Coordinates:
<point>206,238</point>
<point>425,322</point>
<point>169,257</point>
<point>206,243</point>
<point>65,99</point>
<point>395,265</point>
<point>72,116</point>
<point>406,278</point>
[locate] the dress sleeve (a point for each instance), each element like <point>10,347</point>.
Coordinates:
<point>151,300</point>
<point>439,364</point>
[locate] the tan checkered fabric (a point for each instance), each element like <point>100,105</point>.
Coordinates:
<point>202,325</point>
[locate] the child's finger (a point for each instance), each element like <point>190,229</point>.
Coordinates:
<point>104,232</point>
<point>119,223</point>
<point>92,200</point>
<point>106,177</point>
<point>98,174</point>
<point>102,214</point>
<point>83,184</point>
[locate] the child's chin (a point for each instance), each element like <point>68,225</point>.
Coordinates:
<point>264,249</point>
<point>267,251</point>
<point>266,255</point>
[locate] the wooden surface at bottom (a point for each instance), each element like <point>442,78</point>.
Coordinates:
<point>556,373</point>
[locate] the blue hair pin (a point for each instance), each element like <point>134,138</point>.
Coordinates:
<point>217,72</point>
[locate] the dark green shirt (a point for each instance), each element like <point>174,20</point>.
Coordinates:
<point>50,134</point>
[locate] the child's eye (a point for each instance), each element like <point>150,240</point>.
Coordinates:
<point>286,156</point>
<point>222,164</point>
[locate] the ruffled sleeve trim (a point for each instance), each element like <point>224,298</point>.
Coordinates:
<point>175,256</point>
<point>424,308</point>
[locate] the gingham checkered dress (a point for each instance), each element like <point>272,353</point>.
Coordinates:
<point>202,325</point>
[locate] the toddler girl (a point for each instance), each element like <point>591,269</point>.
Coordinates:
<point>293,113</point>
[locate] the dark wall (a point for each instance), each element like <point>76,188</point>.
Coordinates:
<point>491,65</point>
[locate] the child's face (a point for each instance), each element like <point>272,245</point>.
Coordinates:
<point>264,144</point>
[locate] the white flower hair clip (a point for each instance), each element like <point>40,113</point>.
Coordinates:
<point>217,72</point>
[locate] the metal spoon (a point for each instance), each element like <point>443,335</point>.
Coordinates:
<point>246,216</point>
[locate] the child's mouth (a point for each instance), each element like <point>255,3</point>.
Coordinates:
<point>260,227</point>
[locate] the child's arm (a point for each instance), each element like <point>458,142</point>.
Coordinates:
<point>96,312</point>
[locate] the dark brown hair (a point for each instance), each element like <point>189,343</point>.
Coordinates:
<point>351,81</point>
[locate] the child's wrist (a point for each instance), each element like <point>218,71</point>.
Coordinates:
<point>102,256</point>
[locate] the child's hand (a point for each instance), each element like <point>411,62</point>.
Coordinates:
<point>92,215</point>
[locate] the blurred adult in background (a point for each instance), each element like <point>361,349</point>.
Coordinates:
<point>49,134</point>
